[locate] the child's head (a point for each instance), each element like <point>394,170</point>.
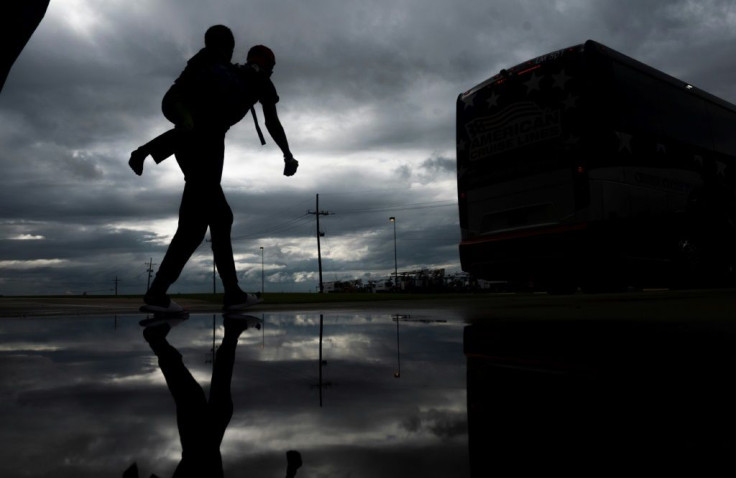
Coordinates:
<point>263,57</point>
<point>220,40</point>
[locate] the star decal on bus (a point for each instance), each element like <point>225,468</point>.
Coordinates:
<point>493,99</point>
<point>533,83</point>
<point>469,101</point>
<point>560,79</point>
<point>624,141</point>
<point>571,140</point>
<point>570,102</point>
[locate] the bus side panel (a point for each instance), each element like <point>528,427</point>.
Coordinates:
<point>521,167</point>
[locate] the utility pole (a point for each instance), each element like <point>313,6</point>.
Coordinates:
<point>214,280</point>
<point>392,219</point>
<point>116,285</point>
<point>319,213</point>
<point>150,265</point>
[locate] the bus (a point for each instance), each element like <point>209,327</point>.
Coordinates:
<point>585,168</point>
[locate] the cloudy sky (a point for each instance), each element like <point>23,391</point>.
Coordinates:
<point>368,94</point>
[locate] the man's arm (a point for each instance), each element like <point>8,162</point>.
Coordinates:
<point>273,125</point>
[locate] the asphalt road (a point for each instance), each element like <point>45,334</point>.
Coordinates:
<point>655,305</point>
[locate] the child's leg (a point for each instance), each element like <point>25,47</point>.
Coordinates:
<point>164,145</point>
<point>159,148</point>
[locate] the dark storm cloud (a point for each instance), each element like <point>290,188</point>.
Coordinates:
<point>367,98</point>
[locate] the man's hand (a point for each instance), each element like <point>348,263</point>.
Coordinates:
<point>290,165</point>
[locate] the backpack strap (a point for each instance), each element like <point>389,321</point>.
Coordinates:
<point>258,128</point>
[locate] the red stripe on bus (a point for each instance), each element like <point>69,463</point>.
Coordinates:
<point>526,233</point>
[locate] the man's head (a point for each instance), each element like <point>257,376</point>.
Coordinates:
<point>220,40</point>
<point>263,57</point>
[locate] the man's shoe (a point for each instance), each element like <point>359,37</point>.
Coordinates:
<point>240,300</point>
<point>290,166</point>
<point>160,304</point>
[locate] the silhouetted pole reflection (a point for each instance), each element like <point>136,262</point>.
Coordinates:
<point>321,383</point>
<point>407,318</point>
<point>321,326</point>
<point>262,278</point>
<point>397,373</point>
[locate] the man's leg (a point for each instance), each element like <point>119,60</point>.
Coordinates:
<point>221,401</point>
<point>221,221</point>
<point>189,235</point>
<point>188,395</point>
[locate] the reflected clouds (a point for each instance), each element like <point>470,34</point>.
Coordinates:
<point>88,399</point>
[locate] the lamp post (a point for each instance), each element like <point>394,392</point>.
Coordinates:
<point>214,275</point>
<point>396,268</point>
<point>261,269</point>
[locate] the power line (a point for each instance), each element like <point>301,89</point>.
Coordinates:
<point>404,207</point>
<point>277,228</point>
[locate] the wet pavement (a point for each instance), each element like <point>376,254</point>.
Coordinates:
<point>85,396</point>
<point>506,386</point>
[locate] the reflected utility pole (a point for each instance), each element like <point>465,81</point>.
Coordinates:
<point>396,263</point>
<point>321,322</point>
<point>262,281</point>
<point>397,318</point>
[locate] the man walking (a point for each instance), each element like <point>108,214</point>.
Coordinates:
<point>217,98</point>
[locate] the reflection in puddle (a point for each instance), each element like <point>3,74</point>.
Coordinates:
<point>601,398</point>
<point>373,397</point>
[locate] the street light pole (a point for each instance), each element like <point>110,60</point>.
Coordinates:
<point>214,276</point>
<point>396,268</point>
<point>261,269</point>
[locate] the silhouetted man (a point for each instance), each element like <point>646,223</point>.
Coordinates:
<point>210,96</point>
